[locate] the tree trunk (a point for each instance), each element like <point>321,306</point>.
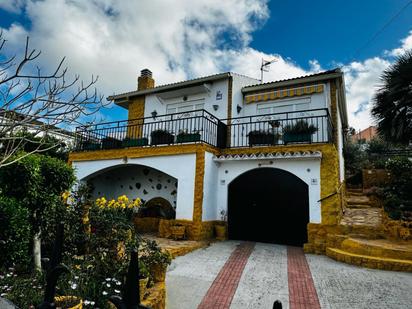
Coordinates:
<point>37,251</point>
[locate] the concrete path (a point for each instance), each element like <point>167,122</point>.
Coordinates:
<point>226,275</point>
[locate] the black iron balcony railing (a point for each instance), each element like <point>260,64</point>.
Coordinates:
<point>191,127</point>
<point>309,126</point>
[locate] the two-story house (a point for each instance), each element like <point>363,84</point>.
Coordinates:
<point>266,158</point>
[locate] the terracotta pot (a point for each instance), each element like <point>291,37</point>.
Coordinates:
<point>220,232</point>
<point>178,231</point>
<point>158,272</point>
<point>65,301</point>
<point>143,287</point>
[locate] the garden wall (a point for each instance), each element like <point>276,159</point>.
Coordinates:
<point>375,177</point>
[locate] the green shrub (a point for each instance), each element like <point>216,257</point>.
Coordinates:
<point>15,233</point>
<point>37,182</point>
<point>398,193</point>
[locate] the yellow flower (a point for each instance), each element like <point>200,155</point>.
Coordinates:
<point>111,203</point>
<point>65,196</point>
<point>137,202</point>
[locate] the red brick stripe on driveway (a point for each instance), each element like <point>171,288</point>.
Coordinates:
<point>223,288</point>
<point>302,291</point>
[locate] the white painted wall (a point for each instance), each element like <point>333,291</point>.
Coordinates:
<point>240,81</point>
<point>229,170</point>
<point>135,181</point>
<point>182,167</point>
<point>152,101</point>
<point>210,189</point>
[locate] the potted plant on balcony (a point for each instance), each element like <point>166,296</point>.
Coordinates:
<point>90,145</point>
<point>110,143</point>
<point>185,137</point>
<point>135,142</point>
<point>299,132</point>
<point>262,137</point>
<point>161,136</point>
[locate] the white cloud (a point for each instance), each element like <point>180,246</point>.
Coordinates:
<point>406,45</point>
<point>362,81</point>
<point>115,39</point>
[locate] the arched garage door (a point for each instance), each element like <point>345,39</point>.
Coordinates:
<point>268,205</point>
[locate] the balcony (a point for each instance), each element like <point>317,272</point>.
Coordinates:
<point>301,127</point>
<point>312,126</point>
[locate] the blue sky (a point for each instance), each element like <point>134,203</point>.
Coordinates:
<point>186,39</point>
<point>332,31</point>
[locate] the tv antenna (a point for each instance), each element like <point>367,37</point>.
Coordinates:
<point>265,67</point>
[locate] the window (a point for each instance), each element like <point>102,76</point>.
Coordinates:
<point>185,107</point>
<point>298,107</point>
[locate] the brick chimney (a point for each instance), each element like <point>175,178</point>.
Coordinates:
<point>145,80</point>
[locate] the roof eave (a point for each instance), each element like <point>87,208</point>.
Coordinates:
<point>126,96</point>
<point>284,83</point>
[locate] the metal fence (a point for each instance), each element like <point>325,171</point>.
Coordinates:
<point>193,127</point>
<point>311,126</point>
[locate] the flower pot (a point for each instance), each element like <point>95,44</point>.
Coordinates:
<point>158,272</point>
<point>143,287</point>
<point>90,146</point>
<point>69,302</point>
<point>110,143</point>
<point>161,138</point>
<point>178,232</point>
<point>297,138</point>
<point>135,142</point>
<point>220,232</point>
<point>263,138</point>
<point>187,138</point>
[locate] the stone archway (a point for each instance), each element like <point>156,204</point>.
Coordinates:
<point>268,205</point>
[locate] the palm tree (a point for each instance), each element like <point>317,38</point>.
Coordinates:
<point>393,102</point>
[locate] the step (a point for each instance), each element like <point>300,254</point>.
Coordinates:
<point>378,248</point>
<point>358,200</point>
<point>365,231</point>
<point>369,261</point>
<point>359,206</point>
<point>354,190</point>
<point>349,193</point>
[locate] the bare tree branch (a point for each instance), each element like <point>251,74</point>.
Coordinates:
<point>40,103</point>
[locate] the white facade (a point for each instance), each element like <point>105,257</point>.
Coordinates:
<point>180,167</point>
<point>169,173</point>
<point>307,169</point>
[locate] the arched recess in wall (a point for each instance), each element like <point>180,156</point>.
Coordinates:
<point>268,205</point>
<point>157,207</point>
<point>134,181</point>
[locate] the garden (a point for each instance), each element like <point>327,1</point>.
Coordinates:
<point>384,172</point>
<point>98,238</point>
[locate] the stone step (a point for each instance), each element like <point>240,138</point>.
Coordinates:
<point>358,190</point>
<point>358,200</point>
<point>366,231</point>
<point>350,193</point>
<point>381,248</point>
<point>369,261</point>
<point>359,206</point>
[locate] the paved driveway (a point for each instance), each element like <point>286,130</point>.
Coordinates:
<point>253,275</point>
